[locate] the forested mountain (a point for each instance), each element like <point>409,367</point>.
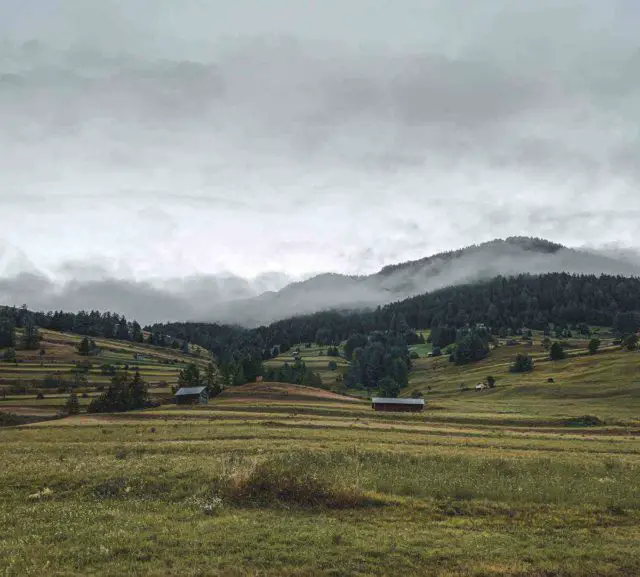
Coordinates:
<point>233,301</point>
<point>508,257</point>
<point>531,301</point>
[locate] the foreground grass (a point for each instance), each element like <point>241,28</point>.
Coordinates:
<point>239,492</point>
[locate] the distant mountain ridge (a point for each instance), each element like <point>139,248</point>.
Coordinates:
<point>250,303</point>
<point>499,257</point>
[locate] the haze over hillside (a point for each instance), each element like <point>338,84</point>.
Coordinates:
<point>236,300</point>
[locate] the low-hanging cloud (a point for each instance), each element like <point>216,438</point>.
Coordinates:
<point>270,297</point>
<point>316,137</point>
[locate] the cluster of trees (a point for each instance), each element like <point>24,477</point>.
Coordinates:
<point>10,319</point>
<point>536,302</point>
<point>522,364</point>
<point>87,346</point>
<point>125,393</point>
<point>191,376</point>
<point>471,344</point>
<point>380,360</point>
<point>297,373</point>
<point>555,302</point>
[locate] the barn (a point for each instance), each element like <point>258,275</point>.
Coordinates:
<point>192,396</point>
<point>390,404</point>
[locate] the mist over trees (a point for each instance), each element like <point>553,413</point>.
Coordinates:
<point>464,319</point>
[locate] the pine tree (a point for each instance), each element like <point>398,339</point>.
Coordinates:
<point>556,352</point>
<point>84,348</point>
<point>122,331</point>
<point>190,376</point>
<point>139,392</point>
<point>31,336</point>
<point>7,333</point>
<point>239,378</point>
<point>136,332</point>
<point>212,380</point>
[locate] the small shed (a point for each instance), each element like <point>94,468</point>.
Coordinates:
<point>192,396</point>
<point>392,404</point>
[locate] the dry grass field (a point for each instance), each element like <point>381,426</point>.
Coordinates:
<point>276,479</point>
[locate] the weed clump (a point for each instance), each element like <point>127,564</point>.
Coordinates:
<point>291,480</point>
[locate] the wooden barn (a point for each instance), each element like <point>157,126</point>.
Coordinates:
<point>192,396</point>
<point>402,405</point>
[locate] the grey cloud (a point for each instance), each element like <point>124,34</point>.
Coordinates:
<point>170,300</point>
<point>321,136</point>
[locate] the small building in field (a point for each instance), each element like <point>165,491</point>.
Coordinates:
<point>192,396</point>
<point>392,404</point>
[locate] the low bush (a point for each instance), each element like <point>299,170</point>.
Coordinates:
<point>287,480</point>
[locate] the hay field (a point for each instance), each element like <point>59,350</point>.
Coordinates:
<point>276,480</point>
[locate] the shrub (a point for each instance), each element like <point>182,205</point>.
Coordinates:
<point>556,352</point>
<point>584,421</point>
<point>333,365</point>
<point>491,381</point>
<point>294,480</point>
<point>631,342</point>
<point>9,419</point>
<point>594,344</point>
<point>521,364</point>
<point>414,355</point>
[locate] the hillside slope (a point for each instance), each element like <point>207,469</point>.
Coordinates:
<point>61,364</point>
<point>512,256</point>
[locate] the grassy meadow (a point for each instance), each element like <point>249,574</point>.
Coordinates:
<point>275,479</point>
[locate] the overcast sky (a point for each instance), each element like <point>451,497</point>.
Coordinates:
<point>158,139</point>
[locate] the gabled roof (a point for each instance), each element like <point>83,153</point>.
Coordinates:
<point>394,401</point>
<point>191,391</point>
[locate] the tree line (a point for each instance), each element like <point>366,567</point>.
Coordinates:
<point>556,302</point>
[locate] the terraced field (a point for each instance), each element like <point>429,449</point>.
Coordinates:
<point>316,359</point>
<point>20,382</point>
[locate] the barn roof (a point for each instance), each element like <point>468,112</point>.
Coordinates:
<point>190,391</point>
<point>394,401</point>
